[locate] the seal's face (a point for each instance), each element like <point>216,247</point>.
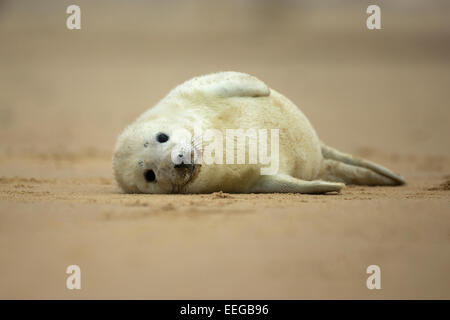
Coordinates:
<point>155,158</point>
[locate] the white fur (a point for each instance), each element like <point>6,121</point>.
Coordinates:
<point>226,100</point>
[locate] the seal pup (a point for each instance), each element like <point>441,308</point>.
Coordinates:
<point>151,156</point>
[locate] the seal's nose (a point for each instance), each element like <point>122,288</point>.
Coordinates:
<point>182,163</point>
<point>182,160</point>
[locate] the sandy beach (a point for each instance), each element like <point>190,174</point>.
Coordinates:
<point>66,95</point>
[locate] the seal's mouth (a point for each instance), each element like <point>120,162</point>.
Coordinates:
<point>187,173</point>
<point>185,166</point>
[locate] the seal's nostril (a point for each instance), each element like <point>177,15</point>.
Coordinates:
<point>180,155</point>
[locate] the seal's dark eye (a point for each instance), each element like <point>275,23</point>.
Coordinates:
<point>149,176</point>
<point>162,137</point>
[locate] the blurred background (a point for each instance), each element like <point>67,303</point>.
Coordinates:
<point>75,90</point>
<point>65,95</point>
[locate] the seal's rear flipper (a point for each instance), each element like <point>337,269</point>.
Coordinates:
<point>345,168</point>
<point>281,183</point>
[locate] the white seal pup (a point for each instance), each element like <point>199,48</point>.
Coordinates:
<point>151,156</point>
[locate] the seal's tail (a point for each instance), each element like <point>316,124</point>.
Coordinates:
<point>341,167</point>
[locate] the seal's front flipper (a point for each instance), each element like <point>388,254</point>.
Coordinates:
<point>224,84</point>
<point>342,167</point>
<point>282,183</point>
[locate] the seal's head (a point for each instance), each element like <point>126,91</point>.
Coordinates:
<point>155,157</point>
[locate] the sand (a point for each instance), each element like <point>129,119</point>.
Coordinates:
<point>66,95</point>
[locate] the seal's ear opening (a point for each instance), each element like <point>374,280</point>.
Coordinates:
<point>149,175</point>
